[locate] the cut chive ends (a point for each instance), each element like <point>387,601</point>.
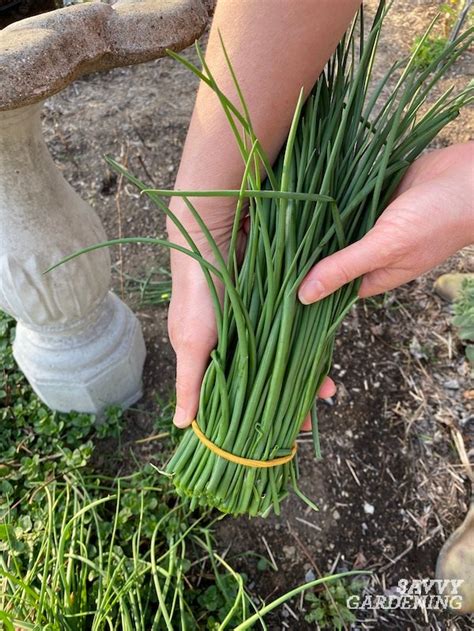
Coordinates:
<point>348,148</point>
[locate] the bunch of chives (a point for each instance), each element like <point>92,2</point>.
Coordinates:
<point>347,150</point>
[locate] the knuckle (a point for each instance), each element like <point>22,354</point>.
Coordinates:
<point>190,340</point>
<point>343,274</point>
<point>393,238</point>
<point>183,386</point>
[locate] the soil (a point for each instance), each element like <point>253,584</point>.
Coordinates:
<point>13,10</point>
<point>390,485</point>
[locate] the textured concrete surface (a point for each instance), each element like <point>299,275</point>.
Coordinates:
<point>79,346</point>
<point>39,56</point>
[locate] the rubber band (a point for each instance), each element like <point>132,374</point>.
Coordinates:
<point>246,462</point>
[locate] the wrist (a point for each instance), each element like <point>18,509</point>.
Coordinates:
<point>216,212</point>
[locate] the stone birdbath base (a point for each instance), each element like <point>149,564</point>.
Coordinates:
<point>79,345</point>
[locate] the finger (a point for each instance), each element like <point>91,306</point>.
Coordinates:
<point>190,368</point>
<point>340,268</point>
<point>328,389</point>
<point>193,335</point>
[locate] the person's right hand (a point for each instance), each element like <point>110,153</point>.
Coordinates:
<point>191,319</point>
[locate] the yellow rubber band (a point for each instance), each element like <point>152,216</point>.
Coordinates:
<point>246,462</point>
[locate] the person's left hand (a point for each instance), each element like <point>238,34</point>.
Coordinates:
<point>430,218</point>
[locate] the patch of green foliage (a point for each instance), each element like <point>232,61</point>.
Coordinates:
<point>328,608</point>
<point>80,551</point>
<point>153,289</point>
<point>429,50</point>
<point>464,317</point>
<point>434,45</point>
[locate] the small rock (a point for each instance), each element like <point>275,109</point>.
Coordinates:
<point>448,286</point>
<point>336,514</point>
<point>451,384</point>
<point>416,350</point>
<point>369,509</point>
<point>465,421</point>
<point>309,576</point>
<point>289,551</point>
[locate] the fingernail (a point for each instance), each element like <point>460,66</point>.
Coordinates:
<point>180,418</point>
<point>311,291</point>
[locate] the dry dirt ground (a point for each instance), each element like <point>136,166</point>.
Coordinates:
<point>390,484</point>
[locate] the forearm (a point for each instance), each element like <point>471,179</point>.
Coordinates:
<point>276,47</point>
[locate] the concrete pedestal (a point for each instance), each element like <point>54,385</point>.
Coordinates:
<point>78,345</point>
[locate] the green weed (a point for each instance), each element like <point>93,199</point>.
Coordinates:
<point>328,608</point>
<point>80,551</point>
<point>464,317</point>
<point>453,13</point>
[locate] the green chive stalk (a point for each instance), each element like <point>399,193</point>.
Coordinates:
<point>348,148</point>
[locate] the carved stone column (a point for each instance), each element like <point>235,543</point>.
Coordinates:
<point>80,347</point>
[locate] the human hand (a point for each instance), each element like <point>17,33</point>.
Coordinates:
<point>430,218</point>
<point>191,319</point>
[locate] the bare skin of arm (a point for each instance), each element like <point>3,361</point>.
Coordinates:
<point>277,47</point>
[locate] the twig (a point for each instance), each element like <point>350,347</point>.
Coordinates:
<point>118,206</point>
<point>150,438</point>
<point>270,554</point>
<point>461,449</point>
<point>290,611</point>
<point>396,559</point>
<point>434,532</point>
<point>354,475</point>
<point>308,523</point>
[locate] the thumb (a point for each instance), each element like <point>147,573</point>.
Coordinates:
<point>191,364</point>
<point>340,268</point>
<point>193,335</point>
